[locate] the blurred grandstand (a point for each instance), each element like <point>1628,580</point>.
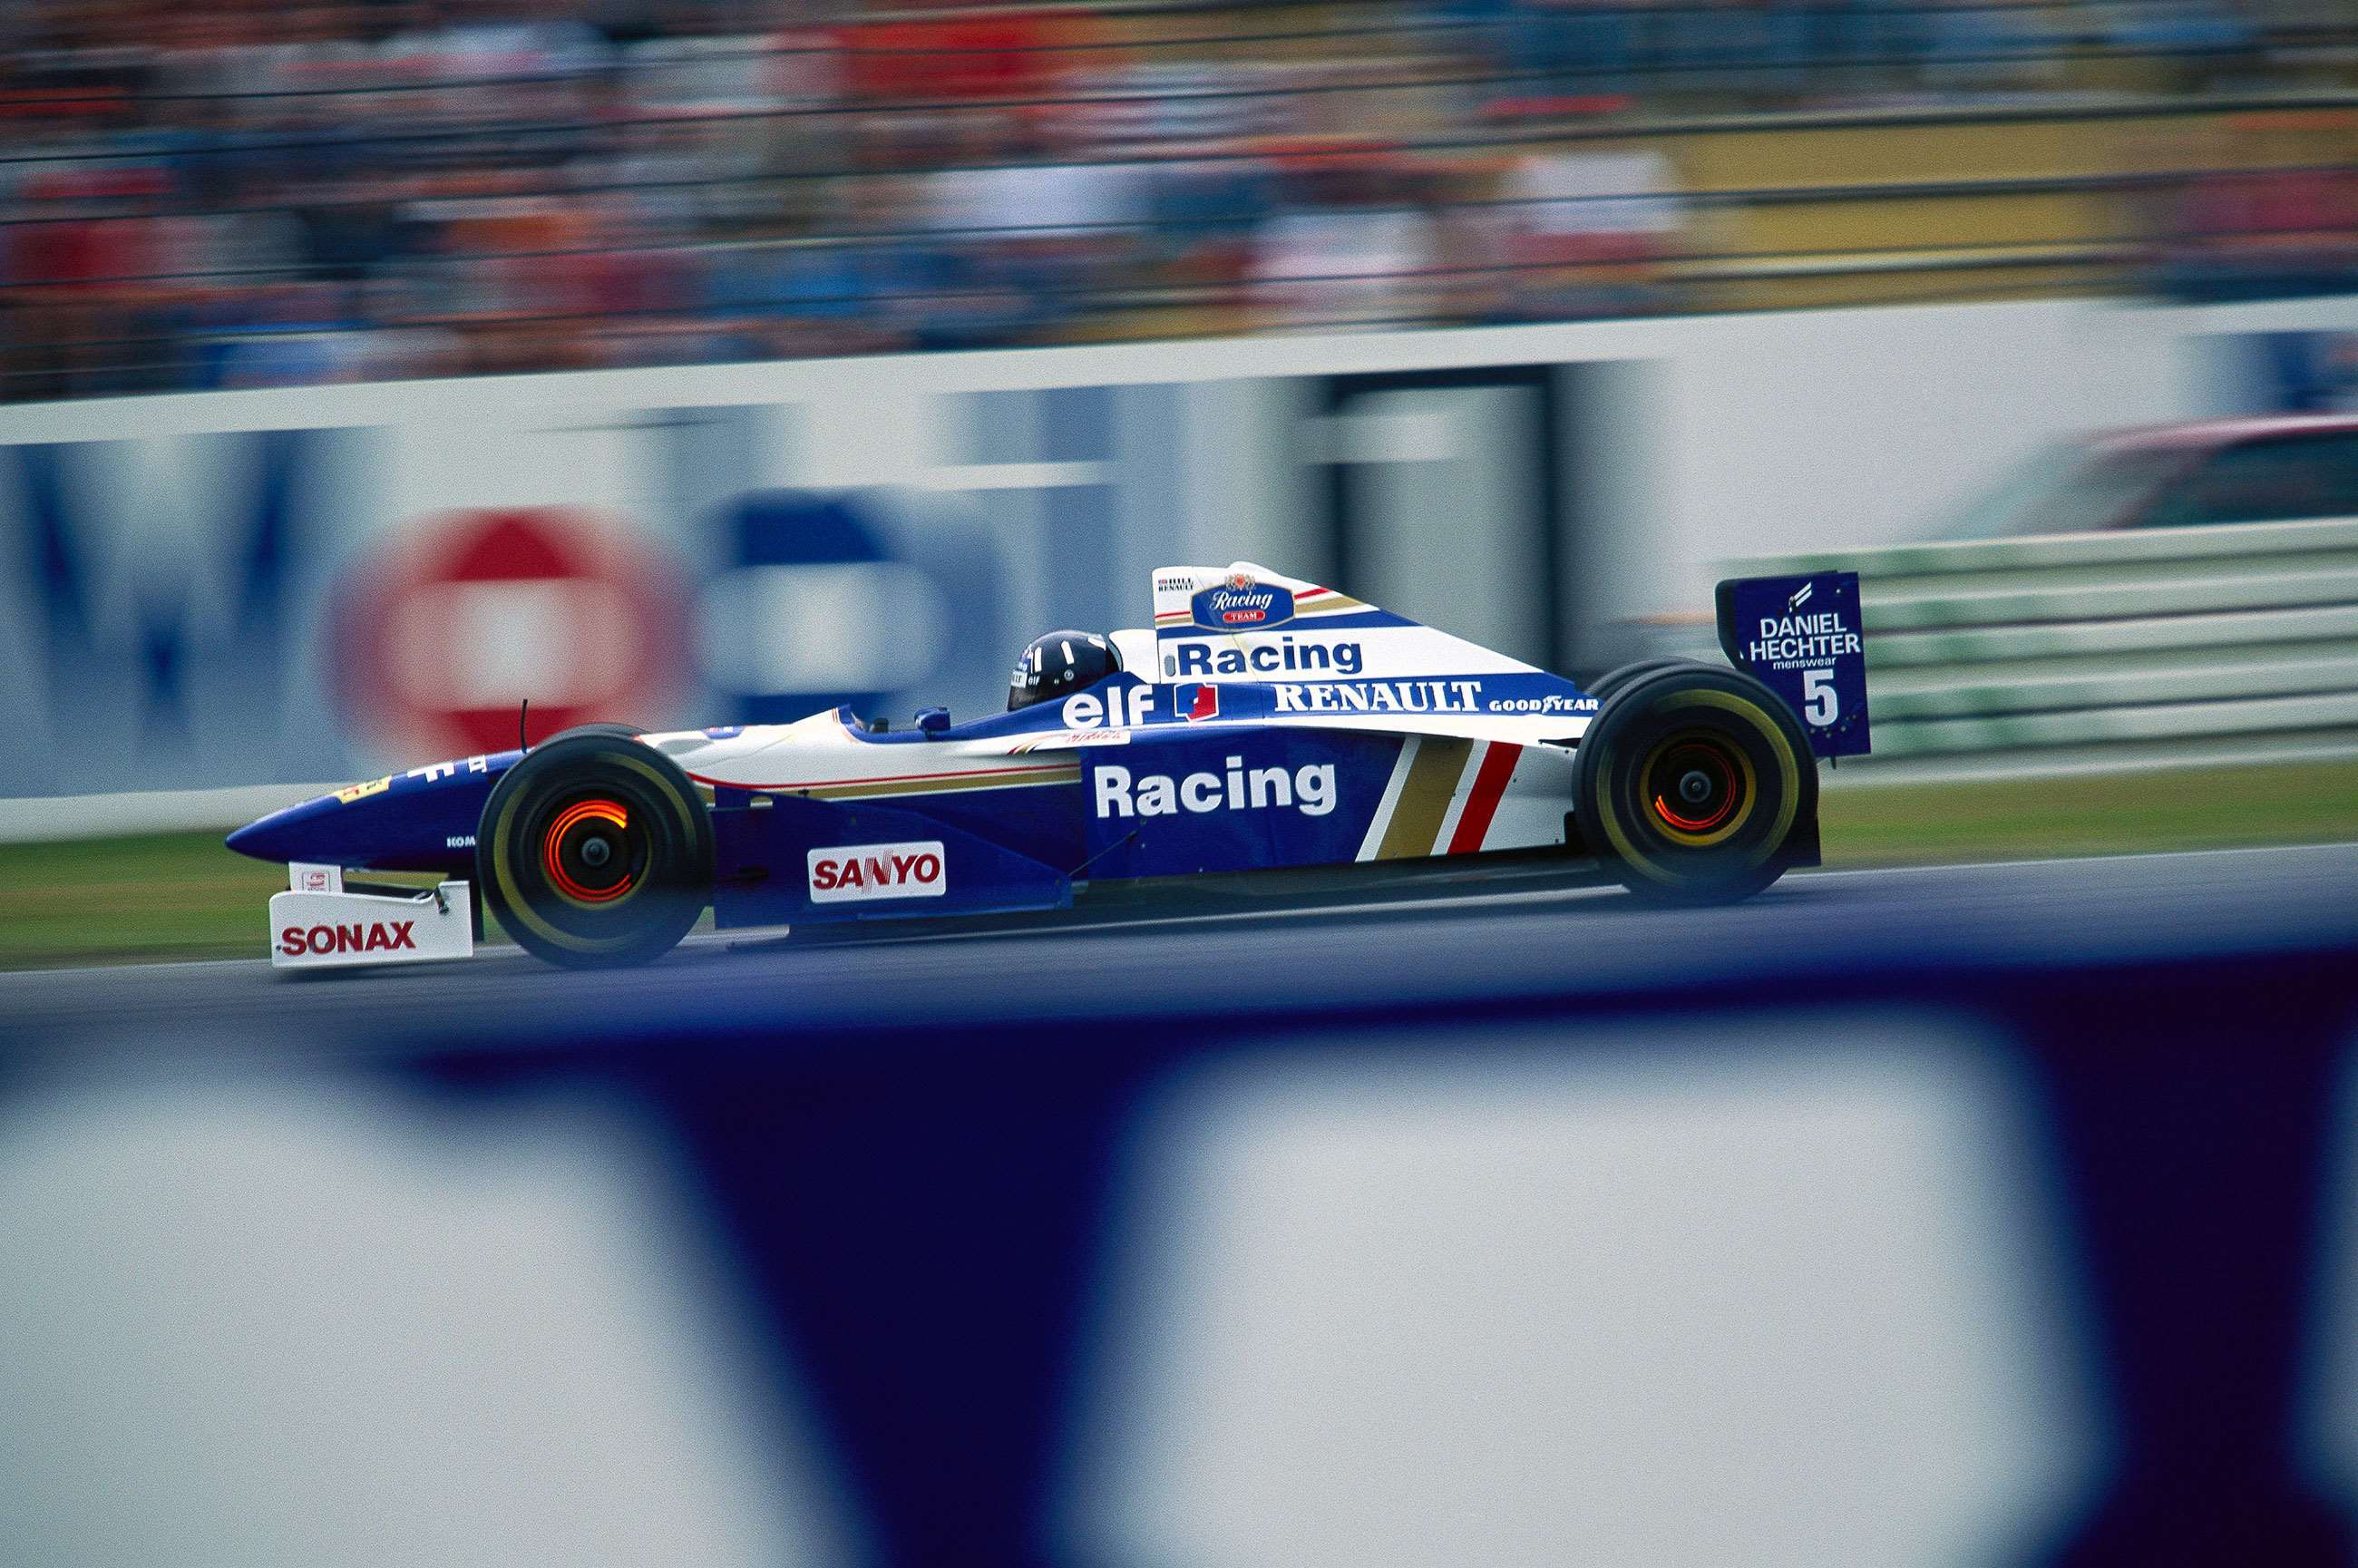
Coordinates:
<point>253,194</point>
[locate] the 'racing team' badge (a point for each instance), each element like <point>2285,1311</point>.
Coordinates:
<point>1242,602</point>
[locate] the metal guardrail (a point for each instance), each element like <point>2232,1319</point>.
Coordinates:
<point>2160,635</point>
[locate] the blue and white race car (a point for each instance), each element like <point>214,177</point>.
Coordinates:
<point>1262,723</point>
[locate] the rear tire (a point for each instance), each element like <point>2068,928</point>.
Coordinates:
<point>1694,783</point>
<point>595,852</point>
<point>1614,679</point>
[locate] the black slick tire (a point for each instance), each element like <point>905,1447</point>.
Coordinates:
<point>595,852</point>
<point>1619,675</point>
<point>1692,784</point>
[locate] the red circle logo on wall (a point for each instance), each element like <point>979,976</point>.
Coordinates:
<point>474,612</point>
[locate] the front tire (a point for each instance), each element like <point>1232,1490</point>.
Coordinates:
<point>595,852</point>
<point>1693,784</point>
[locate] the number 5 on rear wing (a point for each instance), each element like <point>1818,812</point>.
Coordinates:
<point>1805,639</point>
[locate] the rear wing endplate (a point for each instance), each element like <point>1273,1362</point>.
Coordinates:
<point>1805,639</point>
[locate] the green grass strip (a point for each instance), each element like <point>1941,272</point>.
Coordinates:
<point>2090,814</point>
<point>182,896</point>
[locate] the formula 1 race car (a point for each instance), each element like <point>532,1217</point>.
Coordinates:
<point>1262,722</point>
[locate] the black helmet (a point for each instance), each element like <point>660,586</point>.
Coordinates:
<point>1059,664</point>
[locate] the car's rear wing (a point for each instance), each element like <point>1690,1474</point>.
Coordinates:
<point>1805,639</point>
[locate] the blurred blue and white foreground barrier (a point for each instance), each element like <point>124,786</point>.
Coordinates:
<point>2164,643</point>
<point>2002,1215</point>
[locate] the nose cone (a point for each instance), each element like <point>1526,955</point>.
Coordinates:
<point>291,834</point>
<point>423,820</point>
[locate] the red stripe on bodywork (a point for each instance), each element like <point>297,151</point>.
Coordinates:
<point>1489,788</point>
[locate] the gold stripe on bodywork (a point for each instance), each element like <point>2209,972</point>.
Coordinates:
<point>1424,797</point>
<point>1006,778</point>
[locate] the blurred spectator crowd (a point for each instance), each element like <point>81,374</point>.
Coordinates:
<point>259,192</point>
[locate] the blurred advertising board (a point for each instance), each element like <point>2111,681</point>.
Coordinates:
<point>305,585</point>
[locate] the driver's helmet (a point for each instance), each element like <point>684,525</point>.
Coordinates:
<point>1059,664</point>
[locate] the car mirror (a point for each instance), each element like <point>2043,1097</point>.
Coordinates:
<point>933,721</point>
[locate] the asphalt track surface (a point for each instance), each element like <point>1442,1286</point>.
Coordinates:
<point>1817,937</point>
